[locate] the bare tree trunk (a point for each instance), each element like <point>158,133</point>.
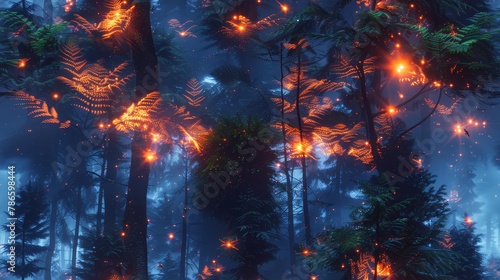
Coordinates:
<point>52,239</point>
<point>111,190</point>
<point>289,188</point>
<point>48,10</point>
<point>134,219</point>
<point>182,269</point>
<point>77,232</point>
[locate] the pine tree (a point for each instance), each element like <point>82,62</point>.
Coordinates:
<point>465,242</point>
<point>395,230</point>
<point>235,186</point>
<point>31,211</point>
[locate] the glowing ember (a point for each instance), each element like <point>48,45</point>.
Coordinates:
<point>171,236</point>
<point>122,234</point>
<point>229,244</point>
<point>101,125</point>
<point>150,156</point>
<point>468,220</point>
<point>284,8</point>
<point>391,110</point>
<point>55,96</point>
<point>22,64</point>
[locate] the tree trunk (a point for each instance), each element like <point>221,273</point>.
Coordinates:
<point>134,219</point>
<point>48,10</point>
<point>372,134</point>
<point>77,232</point>
<point>289,188</point>
<point>111,190</point>
<point>305,203</point>
<point>52,239</point>
<point>182,269</point>
<point>146,72</point>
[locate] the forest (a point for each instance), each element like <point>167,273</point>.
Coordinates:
<point>249,139</point>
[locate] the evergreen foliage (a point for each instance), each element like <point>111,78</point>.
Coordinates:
<point>464,241</point>
<point>238,153</point>
<point>31,211</point>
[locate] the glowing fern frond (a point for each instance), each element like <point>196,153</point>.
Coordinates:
<point>39,109</point>
<point>138,117</point>
<point>95,85</point>
<point>112,27</point>
<point>193,93</point>
<point>442,109</point>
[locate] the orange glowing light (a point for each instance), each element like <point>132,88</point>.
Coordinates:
<point>214,261</point>
<point>412,5</point>
<point>470,121</point>
<point>468,220</point>
<point>122,234</point>
<point>171,236</point>
<point>183,34</point>
<point>55,96</point>
<point>241,28</point>
<point>306,252</point>
<point>101,125</point>
<point>314,277</point>
<point>400,68</point>
<point>22,64</point>
<point>398,45</point>
<point>150,156</point>
<point>391,110</point>
<point>218,269</point>
<point>383,270</point>
<point>284,8</point>
<point>484,123</point>
<point>422,61</point>
<point>235,17</point>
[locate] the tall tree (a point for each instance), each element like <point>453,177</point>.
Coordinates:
<point>235,177</point>
<point>147,81</point>
<point>464,241</point>
<point>31,227</point>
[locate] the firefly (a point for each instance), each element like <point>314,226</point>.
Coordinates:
<point>55,96</point>
<point>122,234</point>
<point>284,8</point>
<point>392,110</point>
<point>468,220</point>
<point>171,236</point>
<point>22,64</point>
<point>101,125</point>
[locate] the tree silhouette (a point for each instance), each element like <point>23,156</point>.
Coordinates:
<point>235,176</point>
<point>31,226</point>
<point>464,241</point>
